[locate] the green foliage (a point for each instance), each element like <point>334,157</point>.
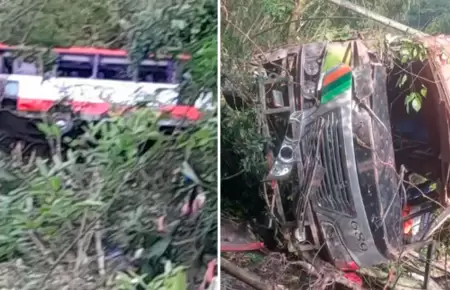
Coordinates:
<point>64,23</point>
<point>430,16</point>
<point>242,144</point>
<point>243,162</point>
<point>182,26</point>
<point>204,62</point>
<point>409,52</point>
<point>414,100</point>
<point>111,184</point>
<point>277,10</point>
<point>171,279</point>
<point>241,136</point>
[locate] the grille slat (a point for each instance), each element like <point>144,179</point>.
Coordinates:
<point>339,169</point>
<point>327,160</point>
<point>333,192</point>
<point>331,169</point>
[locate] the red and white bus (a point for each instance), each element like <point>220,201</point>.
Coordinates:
<point>95,63</point>
<point>94,83</point>
<point>92,98</point>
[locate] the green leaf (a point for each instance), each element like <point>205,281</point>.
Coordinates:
<point>90,202</point>
<point>409,98</point>
<point>423,92</point>
<point>402,80</point>
<point>423,52</point>
<point>178,24</point>
<point>55,183</point>
<point>414,53</point>
<point>404,51</point>
<point>177,281</point>
<point>329,36</point>
<point>416,104</point>
<point>203,133</point>
<point>43,127</point>
<point>158,249</point>
<point>5,175</point>
<point>42,166</point>
<point>404,59</point>
<point>57,161</point>
<point>189,172</point>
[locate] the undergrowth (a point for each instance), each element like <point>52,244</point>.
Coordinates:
<point>95,205</point>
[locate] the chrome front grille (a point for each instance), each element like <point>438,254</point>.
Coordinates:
<point>333,192</point>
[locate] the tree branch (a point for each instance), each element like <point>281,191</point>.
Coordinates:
<point>245,276</point>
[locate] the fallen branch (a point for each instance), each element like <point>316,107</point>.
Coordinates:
<point>44,251</point>
<point>99,250</point>
<point>245,276</point>
<point>438,222</point>
<point>377,17</point>
<point>440,270</point>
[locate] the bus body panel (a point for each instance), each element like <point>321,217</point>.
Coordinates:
<point>94,98</point>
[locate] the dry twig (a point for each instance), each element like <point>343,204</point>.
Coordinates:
<point>99,250</point>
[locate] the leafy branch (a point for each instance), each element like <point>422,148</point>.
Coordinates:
<point>410,52</point>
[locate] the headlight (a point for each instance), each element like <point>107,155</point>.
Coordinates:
<point>63,121</point>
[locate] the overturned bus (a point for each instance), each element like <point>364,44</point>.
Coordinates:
<point>363,166</point>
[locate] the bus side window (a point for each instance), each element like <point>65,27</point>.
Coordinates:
<point>114,68</point>
<point>24,67</point>
<point>74,66</point>
<point>154,73</point>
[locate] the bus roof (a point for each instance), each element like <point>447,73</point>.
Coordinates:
<point>82,50</point>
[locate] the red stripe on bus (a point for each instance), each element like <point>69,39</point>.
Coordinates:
<point>91,50</point>
<point>98,109</point>
<point>179,112</point>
